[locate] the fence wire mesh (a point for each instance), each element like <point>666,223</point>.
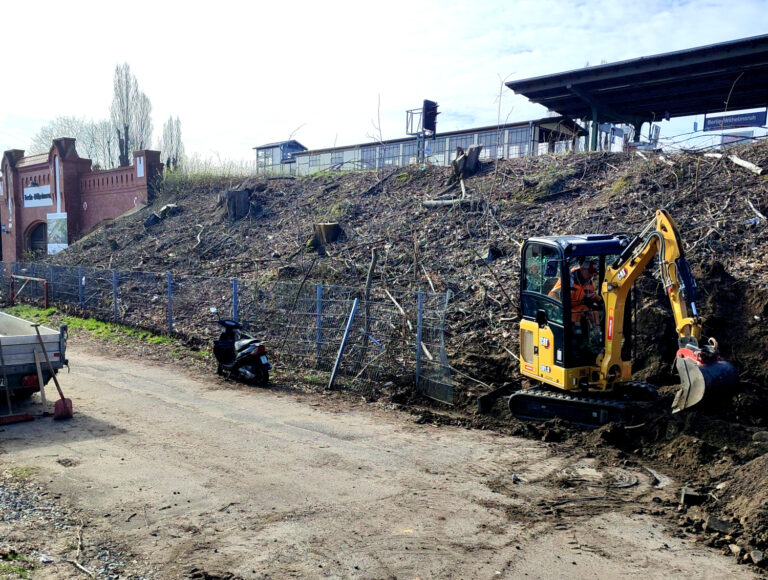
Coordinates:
<point>390,336</point>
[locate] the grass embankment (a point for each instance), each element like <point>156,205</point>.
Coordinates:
<point>97,328</point>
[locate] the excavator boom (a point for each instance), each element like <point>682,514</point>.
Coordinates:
<point>703,373</point>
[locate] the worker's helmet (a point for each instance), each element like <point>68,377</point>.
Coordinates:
<point>590,265</point>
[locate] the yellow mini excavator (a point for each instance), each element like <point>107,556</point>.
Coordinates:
<point>576,328</point>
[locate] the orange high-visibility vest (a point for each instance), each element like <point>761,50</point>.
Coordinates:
<point>579,292</point>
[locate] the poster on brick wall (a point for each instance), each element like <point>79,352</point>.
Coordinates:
<point>57,232</point>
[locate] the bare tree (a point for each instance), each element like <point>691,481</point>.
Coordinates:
<point>101,144</point>
<point>59,127</point>
<point>131,114</point>
<point>142,121</point>
<point>95,140</point>
<point>171,145</point>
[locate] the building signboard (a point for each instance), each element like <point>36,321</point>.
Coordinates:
<point>38,196</point>
<point>756,119</point>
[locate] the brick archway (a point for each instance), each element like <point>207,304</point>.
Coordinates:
<point>36,238</point>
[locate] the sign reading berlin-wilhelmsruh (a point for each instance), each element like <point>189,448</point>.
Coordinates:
<point>756,119</point>
<point>38,196</point>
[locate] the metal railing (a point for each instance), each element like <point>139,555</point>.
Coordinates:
<point>395,337</point>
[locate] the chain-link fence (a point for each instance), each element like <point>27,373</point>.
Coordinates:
<point>331,331</point>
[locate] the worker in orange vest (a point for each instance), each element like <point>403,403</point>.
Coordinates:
<point>583,295</point>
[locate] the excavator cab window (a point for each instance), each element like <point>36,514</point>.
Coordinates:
<point>541,271</point>
<point>587,311</point>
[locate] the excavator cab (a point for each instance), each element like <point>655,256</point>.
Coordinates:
<point>562,332</point>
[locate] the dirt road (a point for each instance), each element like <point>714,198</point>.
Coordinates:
<point>197,476</point>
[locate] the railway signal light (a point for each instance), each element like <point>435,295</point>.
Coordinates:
<point>429,116</point>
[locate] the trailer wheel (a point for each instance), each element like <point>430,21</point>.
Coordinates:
<point>23,394</point>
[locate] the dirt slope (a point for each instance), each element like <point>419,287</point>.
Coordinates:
<point>717,204</point>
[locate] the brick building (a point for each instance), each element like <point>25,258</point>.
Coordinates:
<point>49,200</point>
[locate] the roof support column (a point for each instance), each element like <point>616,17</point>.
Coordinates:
<point>595,126</point>
<point>638,126</point>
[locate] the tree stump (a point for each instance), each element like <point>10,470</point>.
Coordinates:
<point>466,163</point>
<point>238,204</point>
<point>326,233</point>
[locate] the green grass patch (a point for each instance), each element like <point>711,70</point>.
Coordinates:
<point>99,329</point>
<point>32,313</point>
<point>22,472</point>
<point>620,185</point>
<point>8,570</point>
<point>339,209</point>
<point>313,379</point>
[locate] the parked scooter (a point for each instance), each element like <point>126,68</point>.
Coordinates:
<point>241,355</point>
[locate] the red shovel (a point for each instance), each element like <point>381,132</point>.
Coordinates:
<point>62,409</point>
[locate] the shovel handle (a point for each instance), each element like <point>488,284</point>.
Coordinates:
<point>47,360</point>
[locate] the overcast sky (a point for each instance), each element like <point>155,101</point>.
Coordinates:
<point>241,74</point>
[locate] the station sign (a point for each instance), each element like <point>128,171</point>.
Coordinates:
<point>37,196</point>
<point>756,119</point>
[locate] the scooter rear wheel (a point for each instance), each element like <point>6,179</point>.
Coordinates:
<point>262,377</point>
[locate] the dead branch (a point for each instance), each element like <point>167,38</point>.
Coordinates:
<point>754,209</point>
<point>501,286</point>
<point>399,308</point>
<point>198,236</point>
<point>375,187</point>
<point>738,161</point>
<point>462,202</point>
<point>82,568</point>
<point>746,165</point>
<point>666,161</point>
<point>366,298</point>
<point>429,278</point>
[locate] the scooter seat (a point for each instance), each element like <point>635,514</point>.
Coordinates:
<point>245,343</point>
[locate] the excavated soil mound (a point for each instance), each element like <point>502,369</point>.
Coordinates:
<point>746,497</point>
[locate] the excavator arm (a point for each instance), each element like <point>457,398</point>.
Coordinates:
<point>701,368</point>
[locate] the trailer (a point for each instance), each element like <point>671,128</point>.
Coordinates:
<point>19,342</point>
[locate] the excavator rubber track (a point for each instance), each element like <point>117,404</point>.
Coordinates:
<point>542,404</point>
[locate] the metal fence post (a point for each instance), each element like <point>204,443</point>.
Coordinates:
<point>343,343</point>
<point>319,315</point>
<point>170,302</point>
<point>50,284</point>
<point>80,287</point>
<point>114,294</point>
<point>443,357</point>
<point>419,326</point>
<point>235,306</point>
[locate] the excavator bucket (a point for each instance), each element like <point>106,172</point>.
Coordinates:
<point>702,381</point>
